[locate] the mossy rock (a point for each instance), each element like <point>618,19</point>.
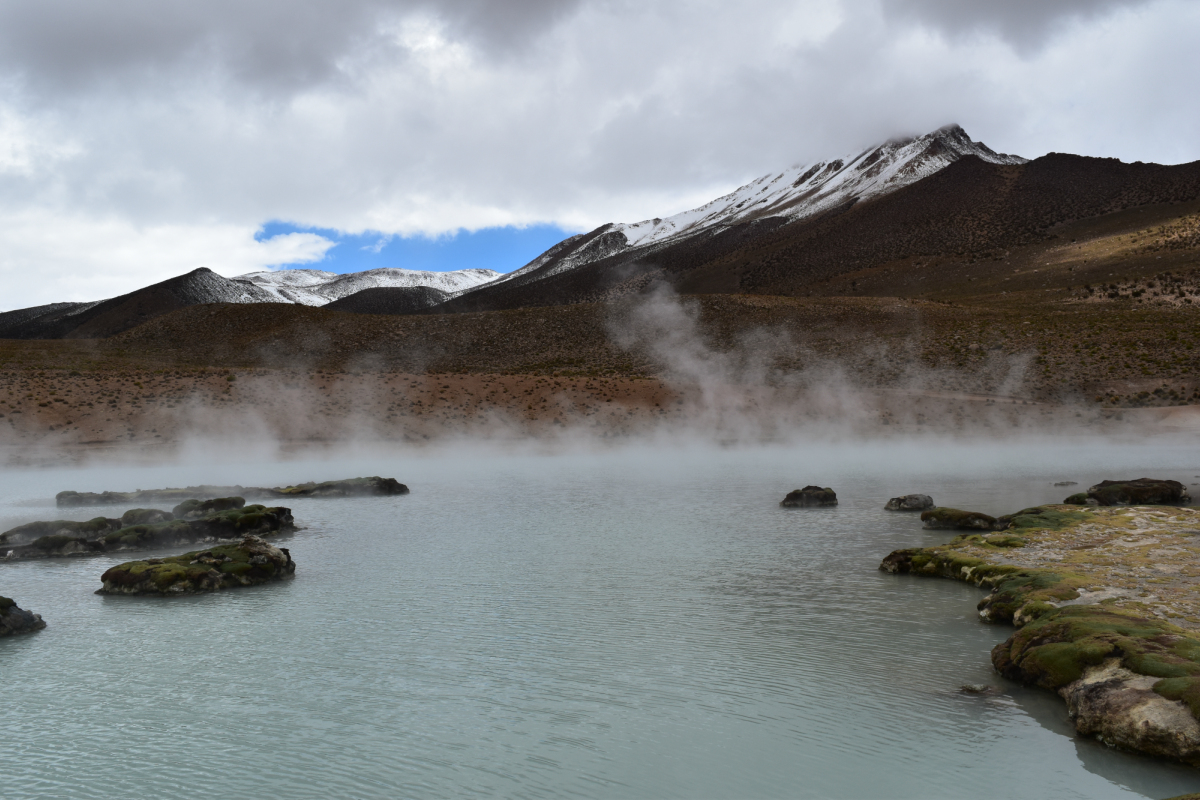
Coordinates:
<point>1041,518</point>
<point>32,531</point>
<point>810,497</point>
<point>943,518</point>
<point>1055,649</point>
<point>194,508</point>
<point>250,562</point>
<point>144,516</point>
<point>1080,499</point>
<point>1140,492</point>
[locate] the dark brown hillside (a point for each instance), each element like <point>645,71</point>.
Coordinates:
<point>970,210</point>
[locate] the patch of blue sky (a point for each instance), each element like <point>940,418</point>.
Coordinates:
<point>500,249</point>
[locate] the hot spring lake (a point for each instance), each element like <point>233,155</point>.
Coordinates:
<point>641,623</point>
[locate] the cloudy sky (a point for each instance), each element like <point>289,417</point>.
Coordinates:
<point>140,139</point>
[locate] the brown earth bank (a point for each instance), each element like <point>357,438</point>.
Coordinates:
<point>727,366</point>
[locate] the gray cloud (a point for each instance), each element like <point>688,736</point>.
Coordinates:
<point>140,139</point>
<point>1026,23</point>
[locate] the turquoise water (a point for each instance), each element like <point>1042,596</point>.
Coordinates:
<point>638,623</point>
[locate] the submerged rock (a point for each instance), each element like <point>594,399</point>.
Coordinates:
<point>810,497</point>
<point>227,525</point>
<point>14,619</point>
<point>943,518</point>
<point>1140,492</point>
<point>373,486</point>
<point>195,509</point>
<point>92,528</point>
<point>909,502</point>
<point>249,562</point>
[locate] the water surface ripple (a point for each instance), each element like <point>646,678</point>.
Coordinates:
<point>623,625</point>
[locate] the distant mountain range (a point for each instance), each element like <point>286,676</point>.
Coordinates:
<point>810,228</point>
<point>300,286</point>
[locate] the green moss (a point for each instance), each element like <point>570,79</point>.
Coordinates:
<point>1077,499</point>
<point>1048,518</point>
<point>1186,689</point>
<point>53,542</point>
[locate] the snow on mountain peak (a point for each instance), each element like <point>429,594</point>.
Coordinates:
<point>314,287</point>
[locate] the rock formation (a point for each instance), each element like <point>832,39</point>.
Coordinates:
<point>228,525</point>
<point>909,502</point>
<point>14,619</point>
<point>249,562</point>
<point>810,497</point>
<point>954,519</point>
<point>1140,492</point>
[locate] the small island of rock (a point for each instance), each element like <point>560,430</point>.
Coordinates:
<point>14,619</point>
<point>1140,492</point>
<point>252,561</point>
<point>810,497</point>
<point>943,518</point>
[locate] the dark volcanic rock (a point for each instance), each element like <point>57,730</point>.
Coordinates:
<point>810,497</point>
<point>354,487</point>
<point>14,619</point>
<point>220,526</point>
<point>249,562</point>
<point>909,502</point>
<point>351,487</point>
<point>195,509</point>
<point>955,519</point>
<point>24,534</point>
<point>1140,492</point>
<point>390,300</point>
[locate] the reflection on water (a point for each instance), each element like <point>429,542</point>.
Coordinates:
<point>626,624</point>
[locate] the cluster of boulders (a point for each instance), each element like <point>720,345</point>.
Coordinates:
<point>239,554</point>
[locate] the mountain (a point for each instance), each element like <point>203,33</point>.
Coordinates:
<point>803,192</point>
<point>313,287</point>
<point>938,197</point>
<point>390,300</point>
<point>303,286</point>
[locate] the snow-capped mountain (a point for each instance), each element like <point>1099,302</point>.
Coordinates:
<point>314,287</point>
<point>798,192</point>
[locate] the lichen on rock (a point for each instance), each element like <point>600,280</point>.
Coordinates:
<point>247,563</point>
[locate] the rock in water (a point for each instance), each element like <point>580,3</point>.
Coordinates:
<point>230,525</point>
<point>195,509</point>
<point>31,532</point>
<point>352,487</point>
<point>957,520</point>
<point>145,516</point>
<point>14,619</point>
<point>909,502</point>
<point>810,497</point>
<point>250,562</point>
<point>1140,492</point>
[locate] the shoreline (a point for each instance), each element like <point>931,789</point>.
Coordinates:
<point>1106,610</point>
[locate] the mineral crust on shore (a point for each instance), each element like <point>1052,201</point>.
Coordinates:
<point>1106,601</point>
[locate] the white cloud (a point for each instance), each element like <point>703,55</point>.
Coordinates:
<point>147,143</point>
<point>56,257</point>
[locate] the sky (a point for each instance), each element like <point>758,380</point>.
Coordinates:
<point>140,139</point>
